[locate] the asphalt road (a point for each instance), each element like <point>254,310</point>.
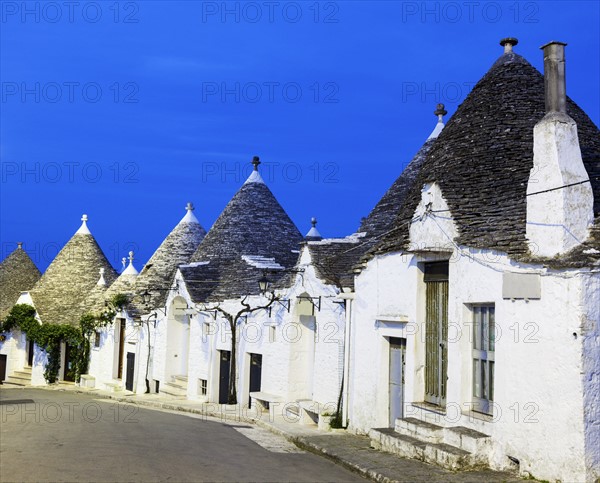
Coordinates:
<point>60,436</point>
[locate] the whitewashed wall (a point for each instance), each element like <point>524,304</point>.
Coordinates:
<point>104,359</point>
<point>14,347</point>
<point>301,359</point>
<point>539,358</point>
<point>590,334</point>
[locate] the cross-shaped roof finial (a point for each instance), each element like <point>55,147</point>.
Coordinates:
<point>313,221</point>
<point>255,162</point>
<point>84,218</point>
<point>189,206</point>
<point>131,257</point>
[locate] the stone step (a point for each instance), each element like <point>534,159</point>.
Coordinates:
<point>113,386</point>
<point>17,378</point>
<point>21,375</point>
<point>415,428</point>
<point>173,390</point>
<point>9,383</point>
<point>467,439</point>
<point>183,380</point>
<point>441,454</point>
<point>458,436</point>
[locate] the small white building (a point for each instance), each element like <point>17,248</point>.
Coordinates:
<point>18,274</point>
<point>59,298</point>
<point>253,235</point>
<point>476,319</point>
<point>122,353</point>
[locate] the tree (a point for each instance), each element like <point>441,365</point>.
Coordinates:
<point>233,319</point>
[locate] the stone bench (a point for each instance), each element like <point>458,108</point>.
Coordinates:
<point>312,412</point>
<point>263,402</point>
<point>85,380</point>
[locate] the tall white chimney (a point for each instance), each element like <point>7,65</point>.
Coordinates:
<point>560,201</point>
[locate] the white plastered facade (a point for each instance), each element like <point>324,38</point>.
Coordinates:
<point>547,357</point>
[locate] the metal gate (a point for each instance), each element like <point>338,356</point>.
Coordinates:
<point>436,332</point>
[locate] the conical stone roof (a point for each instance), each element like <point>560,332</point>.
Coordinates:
<point>60,295</point>
<point>176,249</point>
<point>483,157</point>
<point>252,234</point>
<point>335,258</point>
<point>383,215</point>
<point>18,274</point>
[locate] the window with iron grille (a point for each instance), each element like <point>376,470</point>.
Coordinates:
<point>483,357</point>
<point>97,338</point>
<point>202,387</point>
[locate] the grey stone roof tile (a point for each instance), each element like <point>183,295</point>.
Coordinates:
<point>18,274</point>
<point>176,249</point>
<point>60,295</point>
<point>253,224</point>
<point>483,157</point>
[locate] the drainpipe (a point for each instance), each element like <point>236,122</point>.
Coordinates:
<point>348,297</point>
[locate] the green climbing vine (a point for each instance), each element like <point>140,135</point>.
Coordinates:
<point>49,336</point>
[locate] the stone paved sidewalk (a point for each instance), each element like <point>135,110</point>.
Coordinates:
<point>349,450</point>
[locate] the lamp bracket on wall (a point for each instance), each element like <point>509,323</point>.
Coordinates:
<point>315,301</point>
<point>285,303</point>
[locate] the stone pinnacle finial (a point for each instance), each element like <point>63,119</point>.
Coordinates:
<point>440,112</point>
<point>20,245</point>
<point>189,206</point>
<point>101,281</point>
<point>83,229</point>
<point>508,43</point>
<point>131,257</point>
<point>313,234</point>
<point>255,162</point>
<point>124,262</point>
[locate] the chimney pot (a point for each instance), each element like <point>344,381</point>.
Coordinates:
<point>555,77</point>
<point>508,43</point>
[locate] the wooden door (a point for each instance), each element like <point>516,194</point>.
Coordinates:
<point>224,371</point>
<point>255,374</point>
<point>2,368</point>
<point>69,369</point>
<point>30,349</point>
<point>121,348</point>
<point>396,379</point>
<point>436,332</point>
<point>130,371</point>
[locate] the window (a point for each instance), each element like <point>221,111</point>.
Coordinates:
<point>483,357</point>
<point>202,387</point>
<point>272,333</point>
<point>97,338</point>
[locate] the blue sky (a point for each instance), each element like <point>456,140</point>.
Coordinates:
<point>128,110</point>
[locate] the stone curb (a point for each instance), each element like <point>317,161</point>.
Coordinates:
<point>302,443</point>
